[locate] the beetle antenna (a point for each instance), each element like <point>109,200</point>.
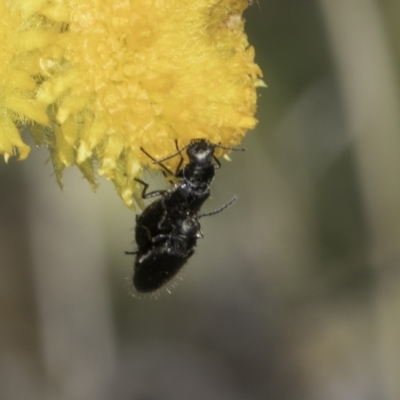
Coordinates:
<point>218,210</point>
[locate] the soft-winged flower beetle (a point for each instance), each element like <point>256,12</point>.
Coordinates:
<point>166,232</point>
<point>161,255</point>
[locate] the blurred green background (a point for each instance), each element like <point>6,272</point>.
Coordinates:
<point>294,293</point>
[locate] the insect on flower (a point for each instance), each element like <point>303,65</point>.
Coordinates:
<point>166,232</point>
<point>193,188</point>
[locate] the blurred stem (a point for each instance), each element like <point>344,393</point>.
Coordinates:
<point>371,103</point>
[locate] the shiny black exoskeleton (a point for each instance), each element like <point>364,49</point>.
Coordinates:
<point>160,256</point>
<point>193,188</point>
<point>166,232</point>
<point>157,264</point>
<point>197,175</point>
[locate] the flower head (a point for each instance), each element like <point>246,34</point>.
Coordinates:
<point>117,75</point>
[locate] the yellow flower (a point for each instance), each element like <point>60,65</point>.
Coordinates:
<point>115,75</point>
<point>18,68</point>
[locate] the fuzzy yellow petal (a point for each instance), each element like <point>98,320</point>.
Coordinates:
<point>19,70</point>
<point>111,76</point>
<point>20,79</point>
<point>25,106</point>
<point>10,139</point>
